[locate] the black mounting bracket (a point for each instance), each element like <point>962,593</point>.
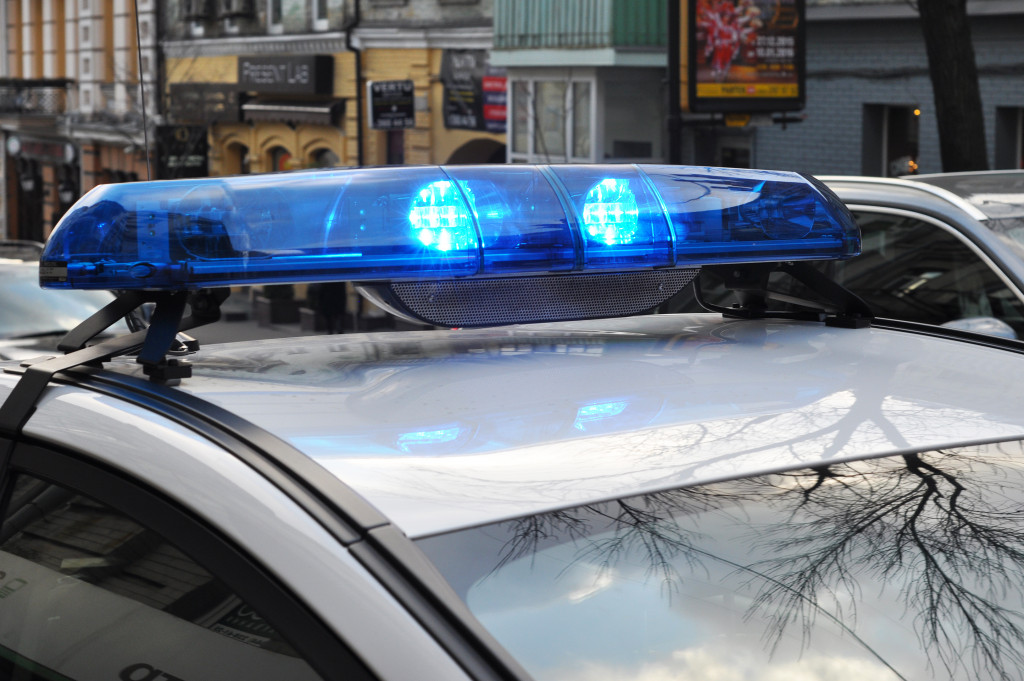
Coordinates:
<point>152,345</point>
<point>750,282</point>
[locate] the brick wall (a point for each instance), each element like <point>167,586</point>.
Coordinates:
<point>852,63</point>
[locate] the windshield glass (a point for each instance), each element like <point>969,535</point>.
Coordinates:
<point>1011,231</point>
<point>28,310</point>
<point>909,567</point>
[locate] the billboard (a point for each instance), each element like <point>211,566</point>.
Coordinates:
<point>744,55</point>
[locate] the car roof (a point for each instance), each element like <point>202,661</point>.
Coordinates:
<point>904,194</point>
<point>448,429</point>
<point>997,193</point>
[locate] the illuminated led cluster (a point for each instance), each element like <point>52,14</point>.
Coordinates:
<point>440,220</point>
<point>610,212</point>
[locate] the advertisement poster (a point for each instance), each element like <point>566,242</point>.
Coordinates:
<point>474,92</point>
<point>746,55</point>
<point>182,151</point>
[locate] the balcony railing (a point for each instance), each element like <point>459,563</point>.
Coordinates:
<point>579,24</point>
<point>34,96</point>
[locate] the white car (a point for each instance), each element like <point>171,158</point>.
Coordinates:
<point>544,490</point>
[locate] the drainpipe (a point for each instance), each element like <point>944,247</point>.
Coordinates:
<point>349,28</point>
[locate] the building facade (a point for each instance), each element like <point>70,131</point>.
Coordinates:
<point>870,104</point>
<point>588,83</point>
<point>285,84</point>
<point>586,79</point>
<point>74,80</point>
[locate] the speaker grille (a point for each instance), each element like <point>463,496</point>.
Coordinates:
<point>518,300</point>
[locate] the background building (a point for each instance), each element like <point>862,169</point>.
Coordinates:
<point>71,98</point>
<point>870,105</point>
<point>586,79</point>
<point>284,84</point>
<point>588,83</point>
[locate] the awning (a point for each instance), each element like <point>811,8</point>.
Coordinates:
<point>314,113</point>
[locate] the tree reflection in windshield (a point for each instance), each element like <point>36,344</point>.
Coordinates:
<point>945,527</point>
<point>905,567</point>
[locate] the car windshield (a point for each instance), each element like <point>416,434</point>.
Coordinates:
<point>998,195</point>
<point>1011,231</point>
<point>29,310</point>
<point>907,567</point>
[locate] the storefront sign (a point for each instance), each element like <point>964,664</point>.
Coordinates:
<point>312,75</point>
<point>44,151</point>
<point>391,104</point>
<point>474,92</point>
<point>744,55</point>
<point>206,102</point>
<point>182,151</point>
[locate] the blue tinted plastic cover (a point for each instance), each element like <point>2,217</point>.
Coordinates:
<point>373,224</point>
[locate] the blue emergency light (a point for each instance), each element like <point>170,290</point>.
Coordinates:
<point>439,223</point>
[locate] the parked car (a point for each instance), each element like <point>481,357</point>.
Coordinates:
<point>556,485</point>
<point>33,319</point>
<point>940,249</point>
<point>944,249</point>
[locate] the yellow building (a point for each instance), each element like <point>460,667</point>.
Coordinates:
<point>74,81</point>
<point>281,88</point>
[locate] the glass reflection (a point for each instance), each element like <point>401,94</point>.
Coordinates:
<point>907,567</point>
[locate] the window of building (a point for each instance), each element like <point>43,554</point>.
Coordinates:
<point>320,15</point>
<point>275,16</point>
<point>521,107</point>
<point>552,120</point>
<point>549,125</point>
<point>580,106</point>
<point>889,142</point>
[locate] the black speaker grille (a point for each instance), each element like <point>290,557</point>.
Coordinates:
<point>518,300</point>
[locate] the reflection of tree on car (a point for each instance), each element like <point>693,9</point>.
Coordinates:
<point>914,562</point>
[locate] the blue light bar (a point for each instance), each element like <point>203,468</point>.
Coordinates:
<point>414,223</point>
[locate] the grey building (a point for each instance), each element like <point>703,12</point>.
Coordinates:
<point>588,83</point>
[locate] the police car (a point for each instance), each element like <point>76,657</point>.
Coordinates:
<point>544,483</point>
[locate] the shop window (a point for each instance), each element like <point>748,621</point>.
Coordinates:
<point>552,121</point>
<point>280,159</point>
<point>324,158</point>
<point>889,142</point>
<point>631,110</point>
<point>734,151</point>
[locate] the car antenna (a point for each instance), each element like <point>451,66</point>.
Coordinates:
<point>142,90</point>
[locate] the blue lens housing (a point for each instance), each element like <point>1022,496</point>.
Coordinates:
<point>412,223</point>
